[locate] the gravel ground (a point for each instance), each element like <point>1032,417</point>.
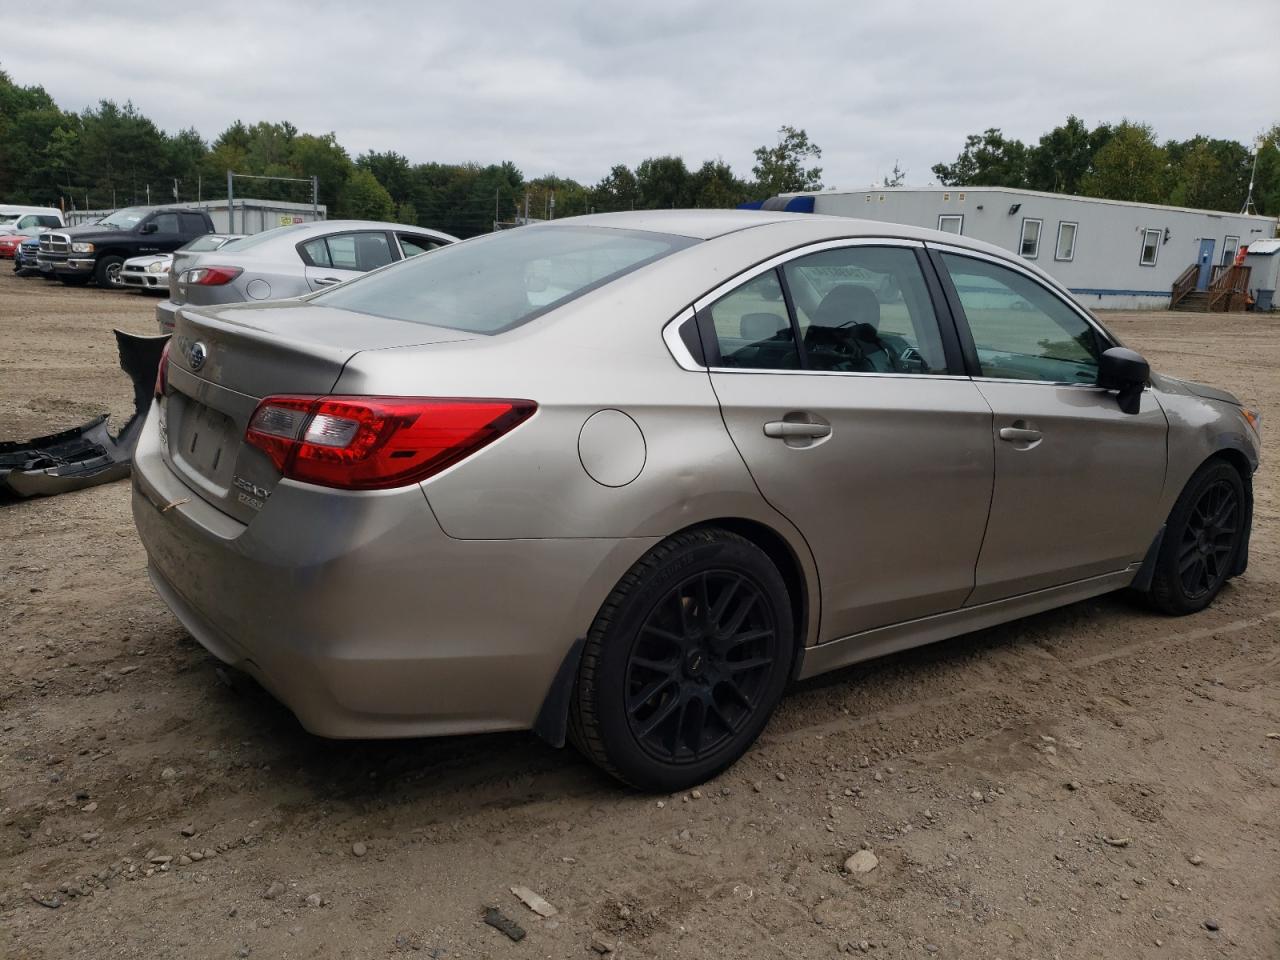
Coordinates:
<point>1096,781</point>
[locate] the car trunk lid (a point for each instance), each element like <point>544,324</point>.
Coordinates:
<point>223,362</point>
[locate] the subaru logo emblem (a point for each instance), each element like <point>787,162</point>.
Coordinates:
<point>197,355</point>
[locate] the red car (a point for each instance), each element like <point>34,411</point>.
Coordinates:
<point>9,245</point>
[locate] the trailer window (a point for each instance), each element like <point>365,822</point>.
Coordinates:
<point>1150,247</point>
<point>1066,249</point>
<point>1030,246</point>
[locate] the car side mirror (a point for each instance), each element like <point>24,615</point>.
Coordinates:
<point>1126,372</point>
<point>147,228</point>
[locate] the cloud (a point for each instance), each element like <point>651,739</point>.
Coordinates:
<point>574,88</point>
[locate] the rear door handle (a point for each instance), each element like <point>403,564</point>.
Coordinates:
<point>1020,435</point>
<point>326,281</point>
<point>786,429</point>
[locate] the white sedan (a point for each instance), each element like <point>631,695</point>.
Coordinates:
<point>149,273</point>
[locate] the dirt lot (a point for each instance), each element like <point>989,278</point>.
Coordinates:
<point>1093,782</point>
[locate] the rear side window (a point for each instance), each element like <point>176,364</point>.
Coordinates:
<point>752,327</point>
<point>1021,330</point>
<point>857,309</point>
<point>414,245</point>
<point>350,251</point>
<point>166,223</point>
<point>865,309</point>
<point>192,223</point>
<point>498,281</point>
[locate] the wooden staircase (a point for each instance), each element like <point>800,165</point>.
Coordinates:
<point>1228,290</point>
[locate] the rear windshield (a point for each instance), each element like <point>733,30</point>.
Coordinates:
<point>210,241</point>
<point>499,281</point>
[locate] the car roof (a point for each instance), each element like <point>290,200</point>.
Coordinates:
<point>814,227</point>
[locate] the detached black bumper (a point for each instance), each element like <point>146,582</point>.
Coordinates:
<point>89,454</point>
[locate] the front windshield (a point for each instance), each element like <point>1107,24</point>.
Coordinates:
<point>125,219</point>
<point>501,280</point>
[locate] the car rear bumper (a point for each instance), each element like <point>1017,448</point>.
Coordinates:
<point>360,614</point>
<point>166,312</point>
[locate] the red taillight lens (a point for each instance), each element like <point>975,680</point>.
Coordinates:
<point>373,443</point>
<point>211,276</point>
<point>162,371</point>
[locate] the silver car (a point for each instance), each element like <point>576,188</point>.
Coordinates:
<point>290,261</point>
<point>626,476</point>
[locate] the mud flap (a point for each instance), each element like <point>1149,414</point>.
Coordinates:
<point>90,454</point>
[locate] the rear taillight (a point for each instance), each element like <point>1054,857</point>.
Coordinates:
<point>373,443</point>
<point>162,371</point>
<point>211,276</point>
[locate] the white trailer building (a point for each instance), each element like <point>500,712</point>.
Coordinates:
<point>243,216</point>
<point>1108,252</point>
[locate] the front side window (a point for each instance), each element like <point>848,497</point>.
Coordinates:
<point>865,309</point>
<point>951,222</point>
<point>1030,246</point>
<point>1020,329</point>
<point>1150,247</point>
<point>500,280</point>
<point>1066,249</point>
<point>752,326</point>
<point>1229,248</point>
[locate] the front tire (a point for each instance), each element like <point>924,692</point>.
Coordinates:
<point>107,273</point>
<point>685,662</point>
<point>1202,540</point>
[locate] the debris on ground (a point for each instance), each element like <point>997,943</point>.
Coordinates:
<point>503,924</point>
<point>534,902</point>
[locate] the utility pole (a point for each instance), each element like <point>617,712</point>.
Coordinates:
<point>175,189</point>
<point>1248,200</point>
<point>199,187</point>
<point>526,207</point>
<point>315,198</point>
<point>551,215</point>
<point>231,206</point>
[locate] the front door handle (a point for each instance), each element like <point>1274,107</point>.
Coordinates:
<point>790,429</point>
<point>326,281</point>
<point>1020,435</point>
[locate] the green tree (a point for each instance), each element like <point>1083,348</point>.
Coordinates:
<point>392,170</point>
<point>620,190</point>
<point>781,168</point>
<point>362,197</point>
<point>1064,156</point>
<point>663,183</point>
<point>714,185</point>
<point>1132,166</point>
<point>897,177</point>
<point>1208,174</point>
<point>1266,174</point>
<point>989,159</point>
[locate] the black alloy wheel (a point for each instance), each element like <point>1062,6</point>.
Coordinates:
<point>699,665</point>
<point>685,661</point>
<point>1209,540</point>
<point>1202,541</point>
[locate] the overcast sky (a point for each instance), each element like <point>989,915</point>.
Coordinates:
<point>573,88</point>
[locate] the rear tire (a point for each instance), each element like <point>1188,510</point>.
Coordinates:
<point>685,662</point>
<point>107,273</point>
<point>1202,540</point>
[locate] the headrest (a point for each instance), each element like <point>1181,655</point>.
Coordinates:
<point>848,304</point>
<point>762,326</point>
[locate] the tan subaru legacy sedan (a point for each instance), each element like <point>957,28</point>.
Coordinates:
<point>621,478</point>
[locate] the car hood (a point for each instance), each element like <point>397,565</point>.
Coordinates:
<point>1204,390</point>
<point>90,231</point>
<point>149,258</point>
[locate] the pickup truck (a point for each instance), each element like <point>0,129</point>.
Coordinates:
<point>97,251</point>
